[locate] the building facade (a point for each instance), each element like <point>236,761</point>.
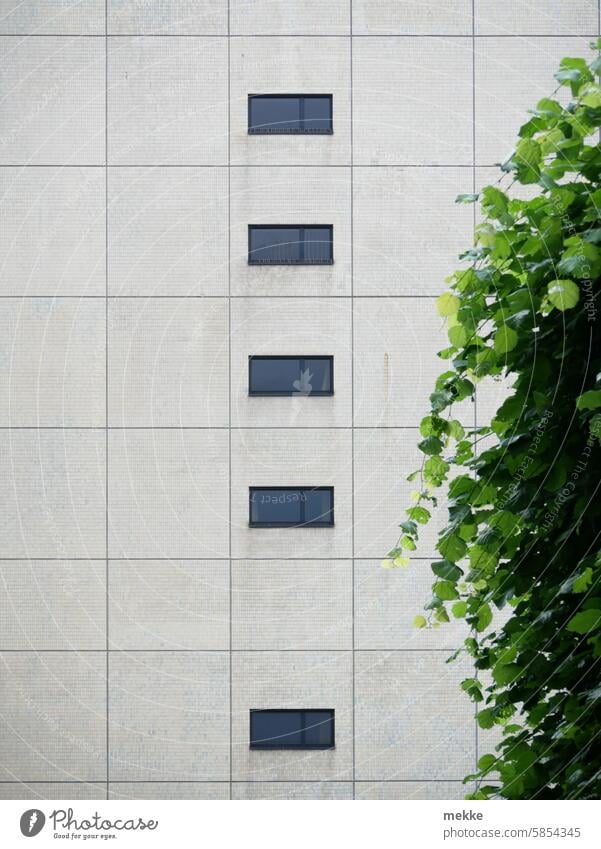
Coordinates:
<point>144,614</point>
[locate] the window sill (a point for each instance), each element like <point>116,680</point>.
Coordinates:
<point>259,131</point>
<point>290,525</point>
<point>291,262</point>
<point>316,394</point>
<point>260,748</point>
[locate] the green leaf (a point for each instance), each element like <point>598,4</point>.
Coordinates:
<point>486,361</point>
<point>487,762</point>
<point>435,469</point>
<point>466,198</point>
<point>446,570</point>
<point>593,235</point>
<point>549,142</point>
<point>432,426</point>
<point>447,304</point>
<point>458,335</point>
<point>420,622</point>
<point>511,408</point>
<point>401,562</point>
<point>445,590</point>
<point>506,673</point>
<point>482,559</point>
<point>456,429</point>
<point>430,445</point>
<point>395,562</point>
<point>418,514</point>
<point>452,547</point>
<point>563,294</point>
<point>505,340</point>
<point>484,617</point>
<point>585,622</point>
<point>473,688</point>
<point>407,543</point>
<point>548,108</point>
<point>441,615</point>
<point>581,260</point>
<point>440,400</point>
<point>463,389</point>
<point>583,581</point>
<point>433,603</point>
<point>495,203</point>
<point>485,718</point>
<point>527,159</point>
<point>528,151</point>
<point>462,487</point>
<point>592,97</point>
<point>590,400</point>
<point>459,609</point>
<point>573,72</point>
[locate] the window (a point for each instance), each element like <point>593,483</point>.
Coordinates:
<point>290,244</point>
<point>291,506</point>
<point>290,375</point>
<point>292,729</point>
<point>290,113</point>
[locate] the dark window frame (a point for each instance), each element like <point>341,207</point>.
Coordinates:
<point>299,131</point>
<point>301,524</point>
<point>318,393</point>
<point>300,227</point>
<point>302,746</point>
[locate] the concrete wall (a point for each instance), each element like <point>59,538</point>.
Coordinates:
<point>127,440</point>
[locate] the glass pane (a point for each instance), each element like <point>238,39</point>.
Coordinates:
<point>317,113</point>
<point>275,728</point>
<point>274,244</point>
<point>317,375</point>
<point>318,727</point>
<point>274,375</point>
<point>318,246</point>
<point>275,113</point>
<point>276,505</point>
<point>318,505</point>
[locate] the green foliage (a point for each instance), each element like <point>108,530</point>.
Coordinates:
<point>524,511</point>
<point>563,294</point>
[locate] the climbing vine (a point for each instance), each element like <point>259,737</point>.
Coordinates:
<point>520,555</point>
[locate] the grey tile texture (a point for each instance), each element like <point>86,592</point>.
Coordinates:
<point>167,101</point>
<point>52,231</point>
<point>28,17</point>
<point>53,502</point>
<point>167,17</point>
<point>50,604</point>
<point>292,605</point>
<point>53,109</point>
<point>55,354</point>
<point>168,493</point>
<point>168,362</point>
<point>413,720</point>
<point>169,716</point>
<point>169,604</point>
<point>53,722</point>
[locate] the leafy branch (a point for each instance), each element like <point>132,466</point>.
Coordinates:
<point>524,511</point>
